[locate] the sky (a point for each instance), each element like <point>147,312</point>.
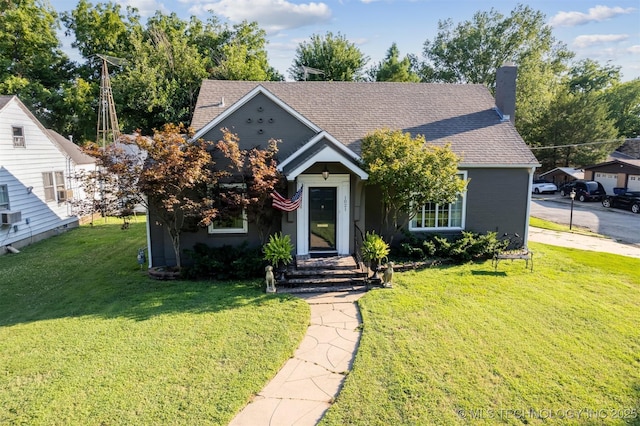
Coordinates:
<point>607,31</point>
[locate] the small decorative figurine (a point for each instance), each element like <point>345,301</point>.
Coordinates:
<point>387,277</point>
<point>269,278</point>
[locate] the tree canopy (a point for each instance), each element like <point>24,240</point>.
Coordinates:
<point>32,64</point>
<point>394,69</point>
<point>409,173</point>
<point>577,131</point>
<point>624,107</point>
<point>332,57</point>
<point>472,51</point>
<point>160,63</point>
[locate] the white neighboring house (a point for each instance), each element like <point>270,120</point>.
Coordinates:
<point>34,178</point>
<point>77,162</point>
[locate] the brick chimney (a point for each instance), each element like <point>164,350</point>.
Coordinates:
<point>506,91</point>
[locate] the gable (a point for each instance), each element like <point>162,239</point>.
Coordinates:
<point>321,149</point>
<point>257,118</point>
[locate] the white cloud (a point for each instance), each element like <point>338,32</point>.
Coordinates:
<point>595,14</point>
<point>271,15</point>
<point>634,50</point>
<point>589,40</point>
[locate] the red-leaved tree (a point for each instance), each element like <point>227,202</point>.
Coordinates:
<point>181,181</point>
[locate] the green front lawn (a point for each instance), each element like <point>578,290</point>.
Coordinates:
<point>87,339</point>
<point>465,344</point>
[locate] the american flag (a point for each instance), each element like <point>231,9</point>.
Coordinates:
<point>284,204</point>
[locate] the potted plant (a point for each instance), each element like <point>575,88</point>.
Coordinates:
<point>278,252</point>
<point>374,249</point>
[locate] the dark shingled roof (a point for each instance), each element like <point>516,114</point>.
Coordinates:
<point>73,151</point>
<point>4,99</point>
<point>460,114</point>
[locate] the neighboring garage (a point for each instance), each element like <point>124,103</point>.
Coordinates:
<point>634,183</point>
<point>616,173</point>
<point>608,180</point>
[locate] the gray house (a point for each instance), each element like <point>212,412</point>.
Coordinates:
<point>321,125</point>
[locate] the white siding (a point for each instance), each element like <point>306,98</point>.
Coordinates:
<point>22,168</point>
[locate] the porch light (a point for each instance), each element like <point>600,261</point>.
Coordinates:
<point>325,173</point>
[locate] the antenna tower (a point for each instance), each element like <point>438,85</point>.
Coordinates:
<point>108,129</point>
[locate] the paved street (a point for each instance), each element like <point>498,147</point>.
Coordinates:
<point>622,225</point>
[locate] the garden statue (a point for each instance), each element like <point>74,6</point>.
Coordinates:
<point>270,279</point>
<point>388,276</point>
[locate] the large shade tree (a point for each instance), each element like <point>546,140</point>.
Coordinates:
<point>577,131</point>
<point>623,101</point>
<point>186,184</point>
<point>576,128</point>
<point>163,60</point>
<point>32,64</point>
<point>472,51</point>
<point>330,58</point>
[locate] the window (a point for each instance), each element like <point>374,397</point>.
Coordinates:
<point>54,187</point>
<point>60,185</point>
<point>437,217</point>
<point>49,187</point>
<point>234,225</point>
<point>18,137</point>
<point>4,197</point>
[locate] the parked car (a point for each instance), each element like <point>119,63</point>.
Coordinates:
<point>586,190</point>
<point>542,186</point>
<point>624,200</point>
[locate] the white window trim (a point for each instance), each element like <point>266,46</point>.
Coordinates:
<point>22,143</point>
<point>245,222</point>
<point>463,195</point>
<point>6,190</point>
<point>58,185</point>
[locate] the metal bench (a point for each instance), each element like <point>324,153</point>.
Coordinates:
<point>514,250</point>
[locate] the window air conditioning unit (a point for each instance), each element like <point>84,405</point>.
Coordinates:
<point>10,217</point>
<point>65,194</point>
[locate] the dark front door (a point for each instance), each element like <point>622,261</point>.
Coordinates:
<point>322,219</point>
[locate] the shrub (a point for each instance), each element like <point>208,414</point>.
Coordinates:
<point>463,248</point>
<point>224,263</point>
<point>374,249</point>
<point>278,250</point>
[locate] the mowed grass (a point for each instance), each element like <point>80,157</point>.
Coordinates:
<point>468,345</point>
<point>87,338</point>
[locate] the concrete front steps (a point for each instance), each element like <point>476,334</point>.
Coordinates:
<point>324,274</point>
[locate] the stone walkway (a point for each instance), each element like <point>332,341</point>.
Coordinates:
<point>306,386</point>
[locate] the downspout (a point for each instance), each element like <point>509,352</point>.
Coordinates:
<point>527,219</point>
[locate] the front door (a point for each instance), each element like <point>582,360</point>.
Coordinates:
<point>322,218</point>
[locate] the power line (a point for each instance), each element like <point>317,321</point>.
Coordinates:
<point>575,145</point>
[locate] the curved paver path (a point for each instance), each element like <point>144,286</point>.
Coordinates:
<point>306,386</point>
